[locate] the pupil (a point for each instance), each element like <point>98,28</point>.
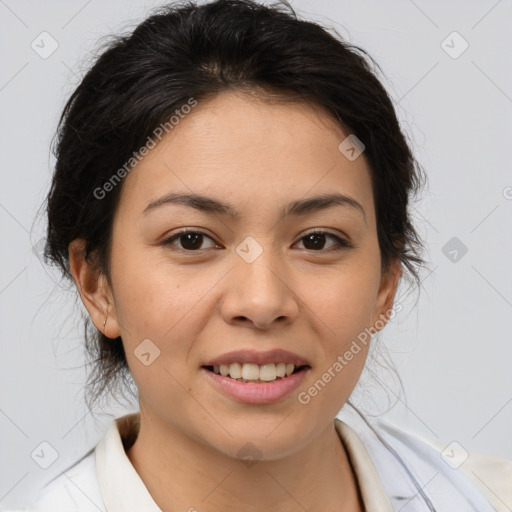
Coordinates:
<point>314,238</point>
<point>192,240</point>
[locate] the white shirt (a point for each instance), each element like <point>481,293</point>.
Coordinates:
<point>105,480</point>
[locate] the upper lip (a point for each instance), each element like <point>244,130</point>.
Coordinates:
<point>256,357</point>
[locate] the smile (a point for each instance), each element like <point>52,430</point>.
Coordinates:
<point>250,372</point>
<point>252,391</point>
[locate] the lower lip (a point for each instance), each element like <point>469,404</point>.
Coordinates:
<point>257,393</point>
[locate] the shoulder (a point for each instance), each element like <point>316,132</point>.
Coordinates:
<point>412,468</point>
<point>74,490</point>
<point>493,476</point>
<point>490,474</point>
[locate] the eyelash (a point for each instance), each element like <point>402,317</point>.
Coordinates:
<point>342,243</point>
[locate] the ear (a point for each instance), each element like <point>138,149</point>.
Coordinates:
<point>95,292</point>
<point>386,294</point>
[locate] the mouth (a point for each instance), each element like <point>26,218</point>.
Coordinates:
<point>254,373</point>
<point>256,384</point>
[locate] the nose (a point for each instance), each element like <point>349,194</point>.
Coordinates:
<point>259,294</point>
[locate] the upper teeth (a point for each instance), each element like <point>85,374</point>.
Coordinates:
<point>251,371</point>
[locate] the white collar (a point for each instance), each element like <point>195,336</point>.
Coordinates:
<point>122,488</point>
<point>385,460</point>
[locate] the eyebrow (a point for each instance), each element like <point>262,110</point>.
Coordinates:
<point>210,205</point>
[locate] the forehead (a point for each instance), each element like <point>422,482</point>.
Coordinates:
<point>247,150</point>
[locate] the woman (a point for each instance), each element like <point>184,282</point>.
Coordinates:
<point>231,199</point>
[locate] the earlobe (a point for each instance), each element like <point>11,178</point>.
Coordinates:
<point>94,289</point>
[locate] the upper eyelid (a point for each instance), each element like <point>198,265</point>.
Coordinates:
<point>320,231</point>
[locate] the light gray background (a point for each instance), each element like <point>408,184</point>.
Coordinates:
<point>453,351</point>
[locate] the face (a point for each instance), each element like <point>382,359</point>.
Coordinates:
<point>257,281</point>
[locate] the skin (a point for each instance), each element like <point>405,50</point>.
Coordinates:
<point>198,305</point>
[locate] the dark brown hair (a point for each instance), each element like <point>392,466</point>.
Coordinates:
<point>185,51</point>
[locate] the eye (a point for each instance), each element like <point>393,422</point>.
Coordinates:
<point>315,241</point>
<point>189,240</point>
<point>192,241</point>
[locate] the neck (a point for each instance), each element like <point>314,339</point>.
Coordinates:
<point>182,473</point>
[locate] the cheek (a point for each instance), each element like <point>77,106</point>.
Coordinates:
<point>343,307</point>
<point>169,305</point>
<point>149,294</point>
<point>343,312</point>
<point>158,315</point>
<point>344,301</point>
